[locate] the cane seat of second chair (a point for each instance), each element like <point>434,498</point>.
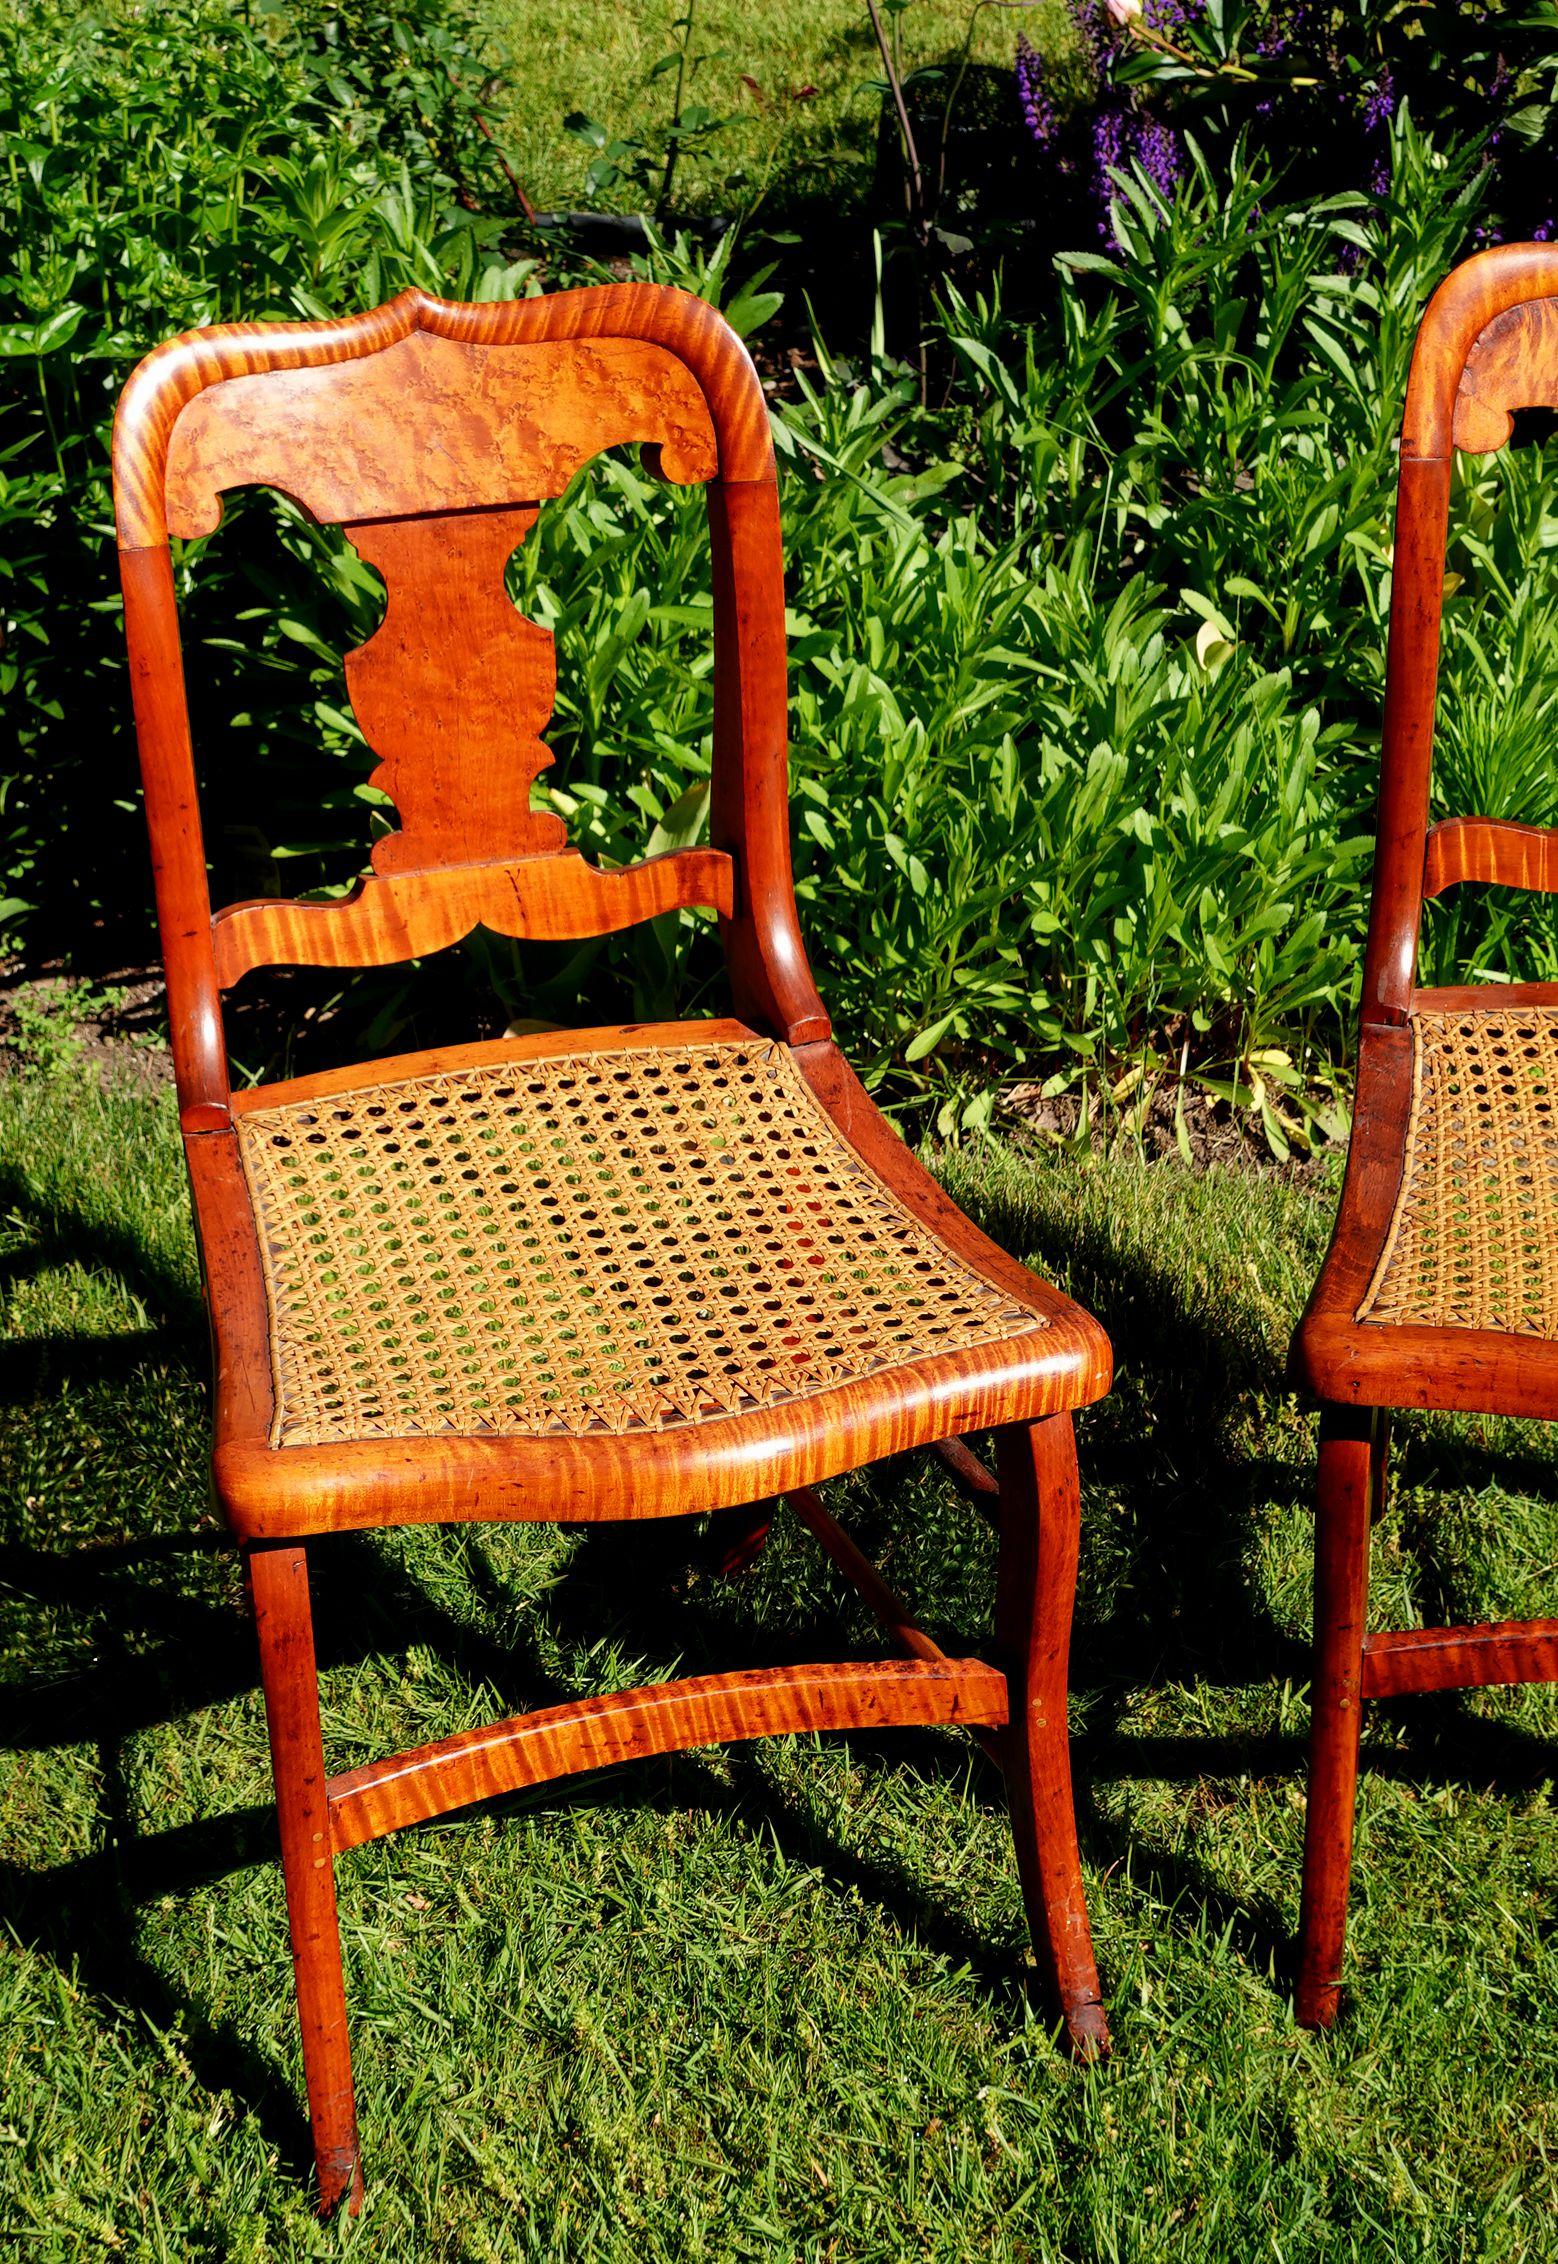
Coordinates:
<point>602,1241</point>
<point>1440,1288</point>
<point>1473,1238</point>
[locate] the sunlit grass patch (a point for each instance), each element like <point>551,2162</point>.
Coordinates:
<point>764,2001</point>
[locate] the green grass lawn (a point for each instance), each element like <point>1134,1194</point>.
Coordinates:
<point>767,2002</point>
<point>792,77</point>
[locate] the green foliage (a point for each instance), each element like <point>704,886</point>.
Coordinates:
<point>1087,667</point>
<point>169,164</point>
<point>1086,654</point>
<point>1318,85</point>
<point>644,165</point>
<point>47,1021</point>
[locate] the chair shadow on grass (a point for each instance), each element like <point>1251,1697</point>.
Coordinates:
<point>1182,1604</point>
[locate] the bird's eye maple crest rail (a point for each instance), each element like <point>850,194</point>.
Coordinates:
<point>1440,1288</point>
<point>611,1273</point>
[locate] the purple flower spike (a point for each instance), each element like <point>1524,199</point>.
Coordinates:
<point>1037,107</point>
<point>1119,136</point>
<point>1171,17</point>
<point>1381,105</point>
<point>1109,153</point>
<point>1090,23</point>
<point>1377,114</point>
<point>1159,155</point>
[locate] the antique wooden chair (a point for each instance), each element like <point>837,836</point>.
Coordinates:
<point>611,1273</point>
<point>1440,1288</point>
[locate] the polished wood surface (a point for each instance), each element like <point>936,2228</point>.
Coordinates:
<point>1490,849</point>
<point>453,691</point>
<point>888,1609</point>
<point>690,332</point>
<point>1411,688</point>
<point>550,899</point>
<point>431,433</point>
<point>667,1717</point>
<point>172,804</point>
<point>1513,365</point>
<point>770,978</point>
<point>455,687</point>
<point>278,1591</point>
<point>1468,365</point>
<point>1348,1466</point>
<point>1488,346</point>
<point>1041,1519</point>
<point>491,422</point>
<point>973,1480</point>
<point>1417,1659</point>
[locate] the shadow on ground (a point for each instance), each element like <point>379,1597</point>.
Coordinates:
<point>165,1644</point>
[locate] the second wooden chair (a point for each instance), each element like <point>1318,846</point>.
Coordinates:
<point>1441,1285</point>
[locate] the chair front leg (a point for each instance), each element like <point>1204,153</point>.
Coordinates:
<point>278,1591</point>
<point>1351,1478</point>
<point>1040,1514</point>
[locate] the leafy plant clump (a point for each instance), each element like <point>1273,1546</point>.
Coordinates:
<point>1087,665</point>
<point>1086,645</point>
<point>1315,82</point>
<point>170,164</point>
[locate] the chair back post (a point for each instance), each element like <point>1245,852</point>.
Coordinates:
<point>1411,684</point>
<point>771,980</point>
<point>183,895</point>
<point>413,429</point>
<point>1487,345</point>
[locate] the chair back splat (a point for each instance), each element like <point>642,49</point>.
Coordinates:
<point>431,433</point>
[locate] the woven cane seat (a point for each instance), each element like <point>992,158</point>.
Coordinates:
<point>1473,1239</point>
<point>586,1242</point>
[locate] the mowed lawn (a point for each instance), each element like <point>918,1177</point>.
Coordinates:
<point>792,78</point>
<point>765,2002</point>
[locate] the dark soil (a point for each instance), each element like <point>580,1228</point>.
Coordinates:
<point>1214,1132</point>
<point>118,1024</point>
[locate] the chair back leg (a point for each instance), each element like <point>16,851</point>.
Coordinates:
<point>737,1537</point>
<point>1040,1521</point>
<point>278,1591</point>
<point>1351,1482</point>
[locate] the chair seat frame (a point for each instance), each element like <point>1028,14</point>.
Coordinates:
<point>502,404</point>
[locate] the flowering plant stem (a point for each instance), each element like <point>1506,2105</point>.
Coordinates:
<point>914,179</point>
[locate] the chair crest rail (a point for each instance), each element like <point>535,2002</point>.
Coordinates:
<point>166,483</point>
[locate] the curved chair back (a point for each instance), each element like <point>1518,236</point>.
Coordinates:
<point>1488,345</point>
<point>431,433</point>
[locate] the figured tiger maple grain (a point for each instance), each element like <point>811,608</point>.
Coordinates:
<point>432,432</point>
<point>602,1733</point>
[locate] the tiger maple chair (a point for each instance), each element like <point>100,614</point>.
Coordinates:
<point>1440,1288</point>
<point>613,1273</point>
